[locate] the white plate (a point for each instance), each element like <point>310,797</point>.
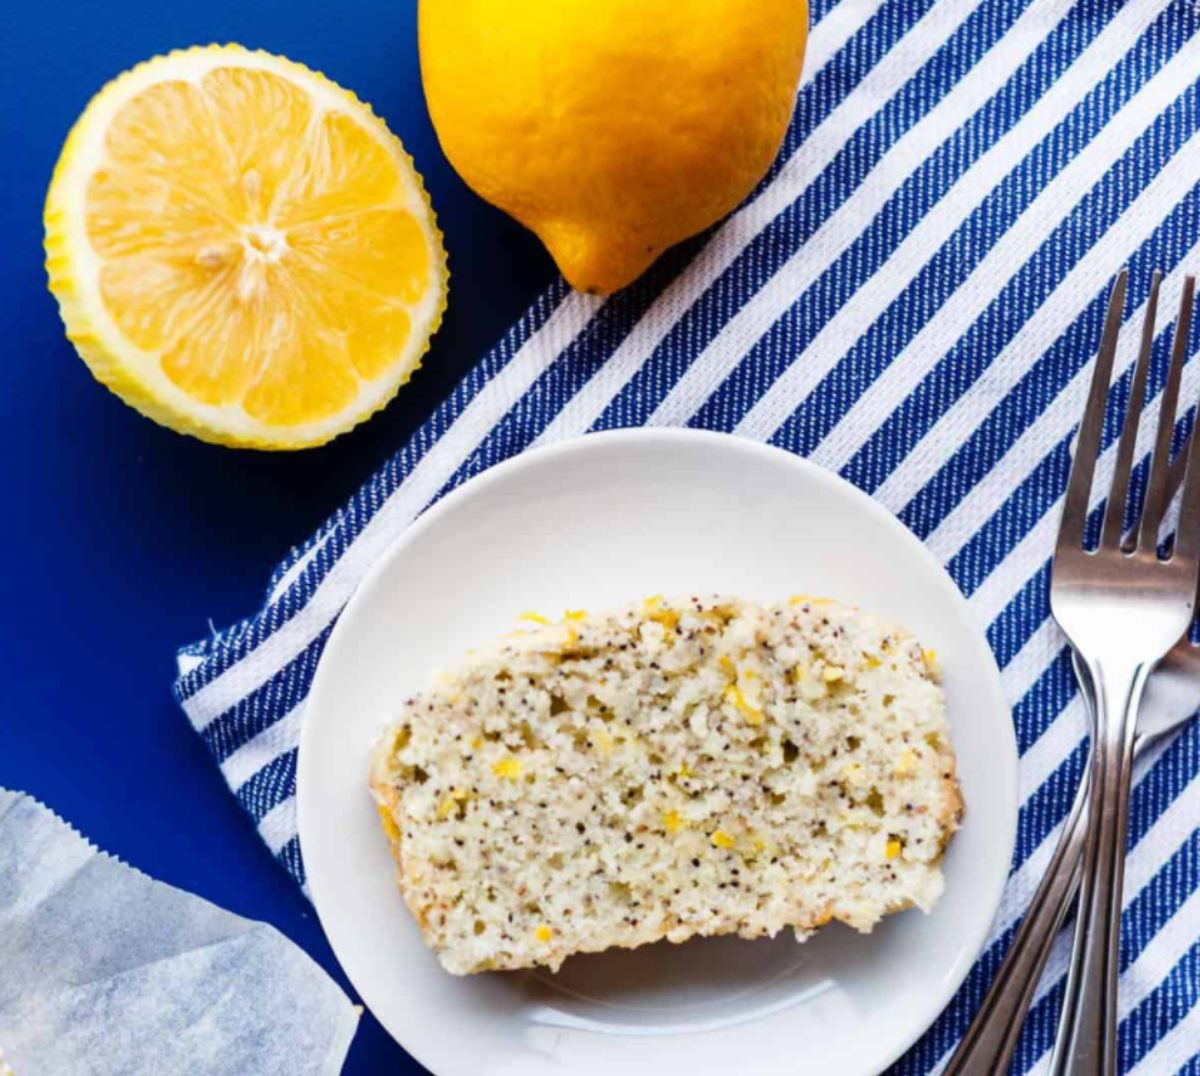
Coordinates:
<point>594,523</point>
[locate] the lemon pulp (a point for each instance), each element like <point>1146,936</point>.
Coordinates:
<point>242,250</point>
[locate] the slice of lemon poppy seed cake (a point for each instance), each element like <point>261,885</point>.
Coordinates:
<point>671,769</point>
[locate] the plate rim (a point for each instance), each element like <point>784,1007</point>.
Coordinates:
<point>932,1006</point>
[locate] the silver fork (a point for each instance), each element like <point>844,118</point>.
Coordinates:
<point>1172,697</point>
<point>1122,612</point>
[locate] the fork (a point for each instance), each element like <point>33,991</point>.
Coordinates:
<point>1172,698</point>
<point>1122,611</point>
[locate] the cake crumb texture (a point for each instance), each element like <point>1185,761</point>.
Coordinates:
<point>696,766</point>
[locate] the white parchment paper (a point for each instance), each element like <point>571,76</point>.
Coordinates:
<point>106,971</point>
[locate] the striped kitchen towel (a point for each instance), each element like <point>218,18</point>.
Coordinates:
<point>911,298</point>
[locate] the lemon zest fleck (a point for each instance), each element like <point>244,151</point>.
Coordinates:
<point>752,714</point>
<point>389,823</point>
<point>668,618</point>
<point>450,804</point>
<point>508,768</point>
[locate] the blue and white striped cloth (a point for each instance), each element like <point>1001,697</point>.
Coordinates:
<point>911,298</point>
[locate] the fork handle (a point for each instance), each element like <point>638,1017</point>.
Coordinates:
<point>1086,1044</point>
<point>989,1043</point>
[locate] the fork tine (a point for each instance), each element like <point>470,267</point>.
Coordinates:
<point>1178,467</point>
<point>1174,485</point>
<point>1156,489</point>
<point>1187,541</point>
<point>1114,515</point>
<point>1087,443</point>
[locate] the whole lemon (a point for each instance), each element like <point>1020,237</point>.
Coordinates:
<point>612,128</point>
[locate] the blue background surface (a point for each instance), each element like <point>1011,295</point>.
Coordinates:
<point>121,540</point>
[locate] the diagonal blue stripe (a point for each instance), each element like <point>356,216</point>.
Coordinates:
<point>960,369</point>
<point>931,288</point>
<point>844,71</point>
<point>1158,1014</point>
<point>1040,706</point>
<point>268,788</point>
<point>1047,805</point>
<point>260,709</point>
<point>985,446</point>
<point>289,856</point>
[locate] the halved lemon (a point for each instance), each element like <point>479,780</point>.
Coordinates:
<point>242,250</point>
